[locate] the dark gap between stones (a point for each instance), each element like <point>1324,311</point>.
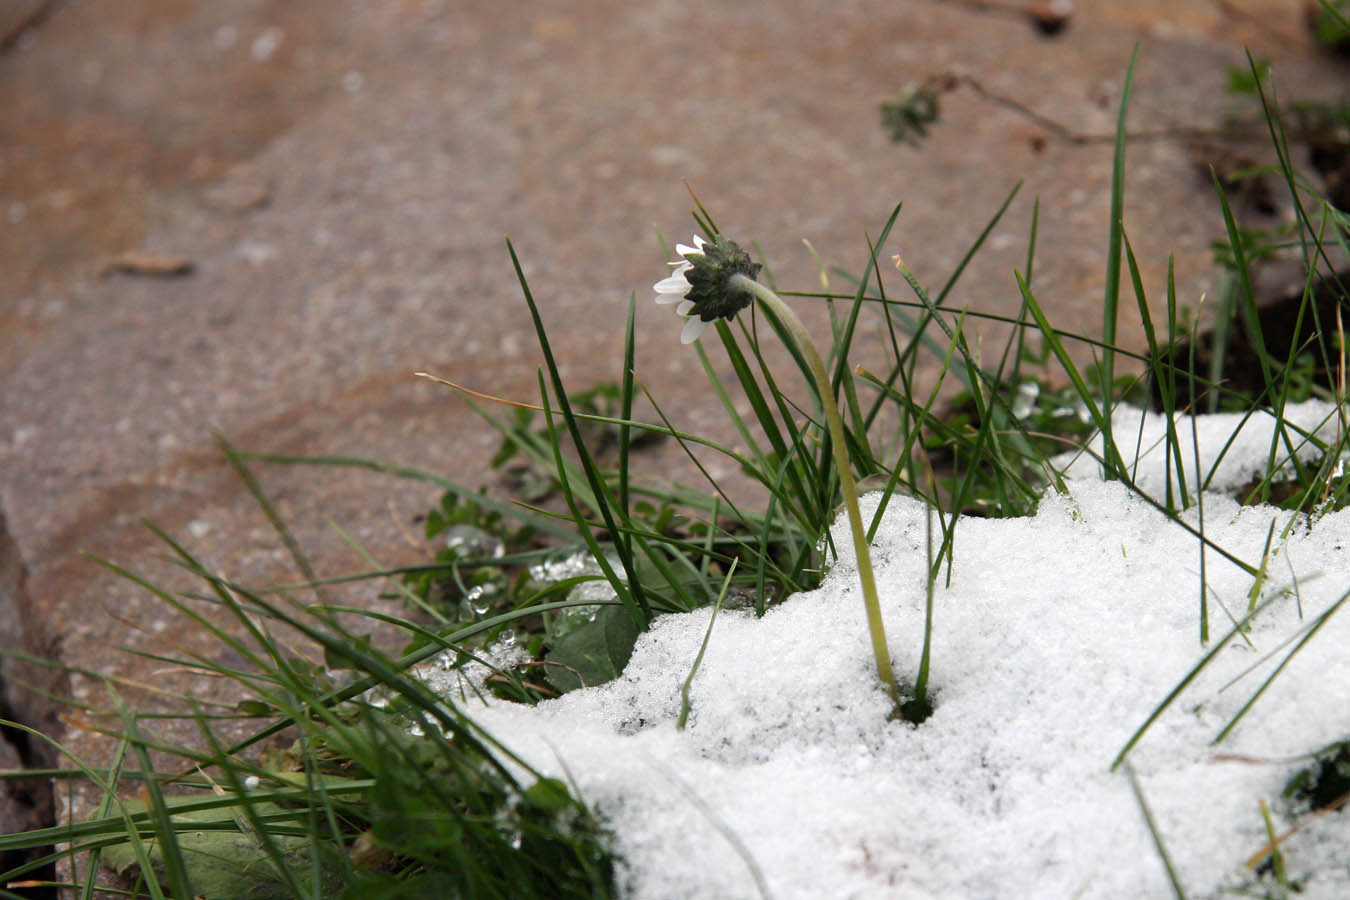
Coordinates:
<point>26,804</point>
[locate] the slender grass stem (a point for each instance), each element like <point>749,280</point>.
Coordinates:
<point>846,485</point>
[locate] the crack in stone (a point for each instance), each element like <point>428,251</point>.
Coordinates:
<point>25,803</point>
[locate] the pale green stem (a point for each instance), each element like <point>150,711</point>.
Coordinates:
<point>842,464</point>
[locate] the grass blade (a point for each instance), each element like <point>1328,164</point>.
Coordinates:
<point>1111,301</point>
<point>642,612</point>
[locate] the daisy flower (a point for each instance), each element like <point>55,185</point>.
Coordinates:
<point>699,284</point>
<point>715,280</point>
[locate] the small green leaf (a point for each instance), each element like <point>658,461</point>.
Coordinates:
<point>226,864</point>
<point>548,795</point>
<point>594,653</point>
<point>254,708</point>
<point>336,659</point>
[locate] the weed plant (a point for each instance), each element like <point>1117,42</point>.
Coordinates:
<point>356,779</point>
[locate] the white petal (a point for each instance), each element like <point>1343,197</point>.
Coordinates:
<point>675,287</point>
<point>685,249</point>
<point>684,307</point>
<point>692,329</point>
<point>675,281</point>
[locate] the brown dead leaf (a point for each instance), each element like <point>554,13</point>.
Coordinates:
<point>136,262</point>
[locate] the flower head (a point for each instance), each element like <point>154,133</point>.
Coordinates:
<point>700,283</point>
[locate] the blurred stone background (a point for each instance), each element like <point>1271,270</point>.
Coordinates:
<point>261,217</point>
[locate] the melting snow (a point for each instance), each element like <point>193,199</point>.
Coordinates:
<point>1054,640</point>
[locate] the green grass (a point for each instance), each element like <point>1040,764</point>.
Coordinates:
<point>353,779</point>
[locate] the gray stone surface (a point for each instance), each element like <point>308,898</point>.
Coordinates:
<point>340,175</point>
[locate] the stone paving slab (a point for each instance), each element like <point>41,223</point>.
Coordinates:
<point>339,176</point>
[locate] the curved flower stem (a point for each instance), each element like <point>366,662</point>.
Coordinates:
<point>842,464</point>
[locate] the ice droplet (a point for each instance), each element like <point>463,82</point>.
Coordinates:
<point>472,542</point>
